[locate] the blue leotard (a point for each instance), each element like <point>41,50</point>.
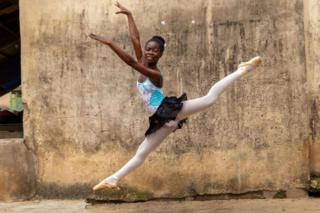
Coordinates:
<point>151,95</point>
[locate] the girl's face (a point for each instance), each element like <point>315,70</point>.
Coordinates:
<point>152,52</point>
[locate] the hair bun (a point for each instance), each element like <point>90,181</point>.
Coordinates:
<point>159,38</point>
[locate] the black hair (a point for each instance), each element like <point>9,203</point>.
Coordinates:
<point>159,40</point>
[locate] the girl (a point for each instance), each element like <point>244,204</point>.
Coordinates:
<point>169,113</point>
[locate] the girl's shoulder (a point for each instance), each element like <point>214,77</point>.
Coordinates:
<point>142,78</point>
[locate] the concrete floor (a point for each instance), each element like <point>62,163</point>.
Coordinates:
<point>217,206</point>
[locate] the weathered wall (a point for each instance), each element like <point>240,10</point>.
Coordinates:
<point>312,33</point>
<point>17,169</point>
<point>84,118</point>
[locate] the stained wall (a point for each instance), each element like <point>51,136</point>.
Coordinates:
<point>84,118</point>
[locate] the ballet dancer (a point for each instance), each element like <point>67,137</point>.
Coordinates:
<point>168,113</point>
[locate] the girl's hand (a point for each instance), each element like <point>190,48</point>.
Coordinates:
<point>99,38</point>
<point>122,10</point>
<point>172,124</point>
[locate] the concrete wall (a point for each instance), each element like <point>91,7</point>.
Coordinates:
<point>84,118</point>
<point>17,169</point>
<point>312,33</point>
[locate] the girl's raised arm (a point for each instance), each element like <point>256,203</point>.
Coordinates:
<point>128,59</point>
<point>134,33</point>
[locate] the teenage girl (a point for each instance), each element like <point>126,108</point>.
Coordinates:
<point>168,113</point>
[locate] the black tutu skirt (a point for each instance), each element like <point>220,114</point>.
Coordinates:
<point>167,111</point>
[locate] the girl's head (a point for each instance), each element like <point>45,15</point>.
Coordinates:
<point>153,49</point>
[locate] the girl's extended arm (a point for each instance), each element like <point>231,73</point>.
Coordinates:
<point>134,33</point>
<point>128,59</point>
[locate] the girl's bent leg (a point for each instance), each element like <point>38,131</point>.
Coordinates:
<point>199,104</point>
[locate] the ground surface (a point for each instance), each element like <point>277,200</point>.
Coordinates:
<point>217,206</point>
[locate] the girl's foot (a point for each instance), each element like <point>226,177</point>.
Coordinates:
<point>108,183</point>
<point>253,63</point>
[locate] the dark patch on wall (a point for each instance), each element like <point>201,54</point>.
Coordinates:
<point>315,120</point>
<point>280,194</point>
<point>19,164</point>
<point>82,50</point>
<point>181,146</point>
<point>229,196</point>
<point>299,7</point>
<point>260,144</point>
<point>55,191</point>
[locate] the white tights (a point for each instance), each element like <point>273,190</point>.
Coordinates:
<point>189,107</point>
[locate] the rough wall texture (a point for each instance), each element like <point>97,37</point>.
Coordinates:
<point>17,169</point>
<point>312,33</point>
<point>84,118</point>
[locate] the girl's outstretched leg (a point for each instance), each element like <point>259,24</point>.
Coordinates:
<point>199,104</point>
<point>146,147</point>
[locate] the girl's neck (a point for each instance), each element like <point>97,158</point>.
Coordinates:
<point>151,66</point>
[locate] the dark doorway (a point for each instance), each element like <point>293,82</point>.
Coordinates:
<point>11,110</point>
